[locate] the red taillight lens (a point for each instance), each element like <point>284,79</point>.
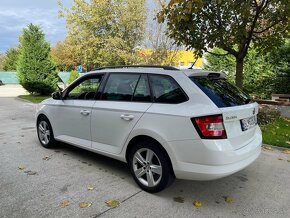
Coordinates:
<point>210,127</point>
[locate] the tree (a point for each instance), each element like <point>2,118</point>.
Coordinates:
<point>10,61</point>
<point>232,25</point>
<point>2,58</point>
<point>106,32</point>
<point>258,71</point>
<point>73,76</point>
<point>163,49</point>
<point>35,69</point>
<point>280,59</point>
<point>64,55</point>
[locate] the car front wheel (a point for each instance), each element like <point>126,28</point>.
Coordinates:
<point>45,133</point>
<point>150,167</point>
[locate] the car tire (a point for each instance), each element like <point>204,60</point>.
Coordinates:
<point>45,133</point>
<point>150,166</point>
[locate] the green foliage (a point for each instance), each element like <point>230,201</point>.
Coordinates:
<point>34,98</point>
<point>106,32</point>
<point>10,60</point>
<point>73,76</point>
<point>227,24</point>
<point>258,72</point>
<point>280,59</point>
<point>277,133</point>
<point>275,128</point>
<point>2,58</point>
<point>35,69</point>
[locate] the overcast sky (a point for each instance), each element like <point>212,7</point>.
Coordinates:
<point>17,14</point>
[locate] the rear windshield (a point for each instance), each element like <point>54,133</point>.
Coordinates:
<point>221,92</point>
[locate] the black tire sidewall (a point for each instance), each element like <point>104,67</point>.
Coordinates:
<point>52,140</point>
<point>167,174</point>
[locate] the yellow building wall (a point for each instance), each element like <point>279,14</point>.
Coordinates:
<point>186,58</point>
<point>182,58</point>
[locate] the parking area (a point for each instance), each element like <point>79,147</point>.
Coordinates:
<point>12,90</point>
<point>35,181</point>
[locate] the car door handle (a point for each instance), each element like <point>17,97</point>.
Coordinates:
<point>85,112</point>
<point>127,117</point>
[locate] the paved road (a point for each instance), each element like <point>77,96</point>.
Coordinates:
<point>261,190</point>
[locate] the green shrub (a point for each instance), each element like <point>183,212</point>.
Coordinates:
<point>73,76</point>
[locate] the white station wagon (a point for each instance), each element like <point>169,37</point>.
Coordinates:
<point>163,122</point>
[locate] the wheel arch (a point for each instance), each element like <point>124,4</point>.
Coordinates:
<point>41,115</point>
<point>137,138</point>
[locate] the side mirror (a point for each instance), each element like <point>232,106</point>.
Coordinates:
<point>56,95</point>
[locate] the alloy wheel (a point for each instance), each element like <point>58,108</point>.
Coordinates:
<point>44,132</point>
<point>147,167</point>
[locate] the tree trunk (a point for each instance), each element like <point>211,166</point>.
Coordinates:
<point>239,72</point>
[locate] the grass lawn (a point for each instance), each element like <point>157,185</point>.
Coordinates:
<point>277,133</point>
<point>33,98</point>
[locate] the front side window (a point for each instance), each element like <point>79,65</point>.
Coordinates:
<point>166,90</point>
<point>85,90</point>
<point>120,87</point>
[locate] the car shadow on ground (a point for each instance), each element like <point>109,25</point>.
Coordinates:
<point>212,192</point>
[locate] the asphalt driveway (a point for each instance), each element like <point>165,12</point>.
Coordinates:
<point>35,181</point>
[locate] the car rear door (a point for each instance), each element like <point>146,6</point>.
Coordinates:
<point>124,100</point>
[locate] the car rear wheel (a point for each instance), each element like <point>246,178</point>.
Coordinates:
<point>150,167</point>
<point>45,133</point>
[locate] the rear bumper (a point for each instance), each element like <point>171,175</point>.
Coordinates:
<point>213,159</point>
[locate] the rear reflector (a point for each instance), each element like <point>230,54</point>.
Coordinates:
<point>210,127</point>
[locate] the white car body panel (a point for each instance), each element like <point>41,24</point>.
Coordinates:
<point>103,131</point>
<point>68,122</point>
<point>109,130</point>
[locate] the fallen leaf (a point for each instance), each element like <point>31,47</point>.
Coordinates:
<point>30,173</point>
<point>90,188</point>
<point>179,199</point>
<point>228,199</point>
<point>280,158</point>
<point>267,147</point>
<point>85,204</point>
<point>64,204</point>
<point>21,167</point>
<point>286,151</point>
<point>113,203</point>
<point>288,160</point>
<point>46,158</point>
<point>197,203</point>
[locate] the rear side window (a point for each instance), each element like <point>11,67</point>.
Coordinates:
<point>221,92</point>
<point>120,87</point>
<point>142,91</point>
<point>166,90</point>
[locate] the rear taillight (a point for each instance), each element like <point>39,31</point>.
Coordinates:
<point>210,127</point>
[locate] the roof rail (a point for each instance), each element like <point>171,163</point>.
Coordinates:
<point>136,66</point>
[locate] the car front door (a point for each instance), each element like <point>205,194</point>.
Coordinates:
<point>125,99</point>
<point>74,111</point>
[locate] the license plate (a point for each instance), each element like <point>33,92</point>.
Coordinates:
<point>248,123</point>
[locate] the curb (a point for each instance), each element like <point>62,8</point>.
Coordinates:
<point>276,147</point>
